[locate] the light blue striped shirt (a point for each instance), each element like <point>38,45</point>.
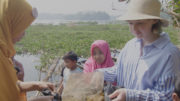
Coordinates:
<point>149,77</point>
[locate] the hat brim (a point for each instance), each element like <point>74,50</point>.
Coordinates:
<point>133,16</point>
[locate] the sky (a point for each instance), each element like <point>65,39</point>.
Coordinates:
<point>74,6</point>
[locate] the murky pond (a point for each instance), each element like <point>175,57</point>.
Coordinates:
<point>31,73</point>
<point>29,62</point>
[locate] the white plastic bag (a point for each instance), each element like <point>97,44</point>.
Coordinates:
<point>84,87</point>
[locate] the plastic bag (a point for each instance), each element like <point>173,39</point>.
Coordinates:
<point>84,87</point>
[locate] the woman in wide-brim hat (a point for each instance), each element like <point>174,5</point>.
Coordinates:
<point>148,63</point>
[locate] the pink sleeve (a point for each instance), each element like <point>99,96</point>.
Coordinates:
<point>86,68</point>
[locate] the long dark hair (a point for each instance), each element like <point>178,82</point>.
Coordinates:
<point>157,28</point>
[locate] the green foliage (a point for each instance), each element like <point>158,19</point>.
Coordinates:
<point>53,41</point>
<point>174,8</point>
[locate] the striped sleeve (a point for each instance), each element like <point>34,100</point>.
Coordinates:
<point>163,87</point>
<point>110,74</point>
<point>162,92</point>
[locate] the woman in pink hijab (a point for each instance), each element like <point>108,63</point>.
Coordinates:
<point>100,57</point>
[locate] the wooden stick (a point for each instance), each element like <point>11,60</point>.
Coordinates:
<point>50,72</point>
<point>178,23</point>
<point>172,13</point>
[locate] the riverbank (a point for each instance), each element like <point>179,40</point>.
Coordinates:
<point>52,41</point>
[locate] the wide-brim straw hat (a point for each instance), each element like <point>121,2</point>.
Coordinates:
<point>144,9</point>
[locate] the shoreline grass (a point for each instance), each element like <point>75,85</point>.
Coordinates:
<point>53,41</point>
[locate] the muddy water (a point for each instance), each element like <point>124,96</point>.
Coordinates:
<point>31,73</point>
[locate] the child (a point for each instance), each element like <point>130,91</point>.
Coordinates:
<point>176,94</point>
<point>70,60</point>
<point>19,68</point>
<point>18,65</point>
<point>100,57</point>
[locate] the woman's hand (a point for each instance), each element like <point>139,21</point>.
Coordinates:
<point>118,95</point>
<point>35,85</point>
<point>44,85</point>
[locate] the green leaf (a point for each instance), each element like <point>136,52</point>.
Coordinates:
<point>176,6</point>
<point>176,1</point>
<point>177,10</point>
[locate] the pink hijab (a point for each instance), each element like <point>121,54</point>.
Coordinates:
<point>91,64</point>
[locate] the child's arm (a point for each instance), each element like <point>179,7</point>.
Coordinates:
<point>60,88</point>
